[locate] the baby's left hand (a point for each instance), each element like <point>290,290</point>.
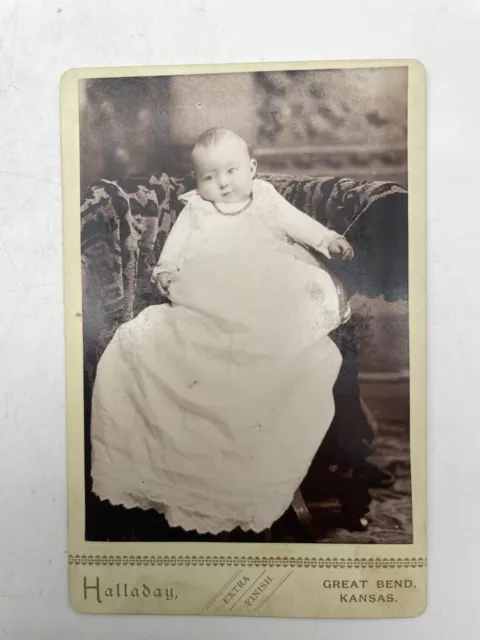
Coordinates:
<point>341,247</point>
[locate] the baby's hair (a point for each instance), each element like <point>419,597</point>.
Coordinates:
<point>212,137</point>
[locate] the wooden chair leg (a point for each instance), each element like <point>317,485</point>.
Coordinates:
<point>303,514</point>
<point>369,415</point>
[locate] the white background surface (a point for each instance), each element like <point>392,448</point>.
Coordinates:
<point>38,42</point>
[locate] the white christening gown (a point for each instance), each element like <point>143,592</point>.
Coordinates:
<point>211,408</point>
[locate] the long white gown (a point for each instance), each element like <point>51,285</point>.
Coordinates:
<point>211,409</point>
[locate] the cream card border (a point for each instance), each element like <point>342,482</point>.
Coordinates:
<point>288,580</point>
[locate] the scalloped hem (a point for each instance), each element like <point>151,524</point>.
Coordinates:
<point>177,517</point>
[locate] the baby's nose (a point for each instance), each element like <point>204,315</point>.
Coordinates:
<point>223,181</point>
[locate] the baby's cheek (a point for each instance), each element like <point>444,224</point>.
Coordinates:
<point>207,192</point>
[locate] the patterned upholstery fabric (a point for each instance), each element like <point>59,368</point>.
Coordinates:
<point>125,223</point>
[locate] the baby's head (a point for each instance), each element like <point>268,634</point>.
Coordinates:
<point>224,169</point>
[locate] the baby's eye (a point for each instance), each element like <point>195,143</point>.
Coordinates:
<point>232,170</point>
<point>208,178</point>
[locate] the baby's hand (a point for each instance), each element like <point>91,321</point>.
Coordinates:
<point>164,280</point>
<point>340,247</point>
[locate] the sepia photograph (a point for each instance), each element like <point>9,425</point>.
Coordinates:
<point>245,306</point>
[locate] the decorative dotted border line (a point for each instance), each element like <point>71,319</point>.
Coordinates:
<point>246,561</point>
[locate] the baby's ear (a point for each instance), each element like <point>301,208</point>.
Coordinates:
<point>253,166</point>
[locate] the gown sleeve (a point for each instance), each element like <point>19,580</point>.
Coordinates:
<point>171,257</point>
<point>301,228</point>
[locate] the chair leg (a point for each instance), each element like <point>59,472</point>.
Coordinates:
<point>369,415</point>
<point>303,514</point>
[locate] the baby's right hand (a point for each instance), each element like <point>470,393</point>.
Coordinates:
<point>163,282</point>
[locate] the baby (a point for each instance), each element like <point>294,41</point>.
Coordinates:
<point>225,173</point>
<point>210,409</point>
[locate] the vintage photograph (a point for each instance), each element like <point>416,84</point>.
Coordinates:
<point>245,306</point>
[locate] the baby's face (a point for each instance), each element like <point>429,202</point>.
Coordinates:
<point>225,171</point>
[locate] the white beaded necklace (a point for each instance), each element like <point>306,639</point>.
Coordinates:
<point>238,211</point>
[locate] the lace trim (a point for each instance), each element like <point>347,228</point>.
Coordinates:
<point>176,516</point>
